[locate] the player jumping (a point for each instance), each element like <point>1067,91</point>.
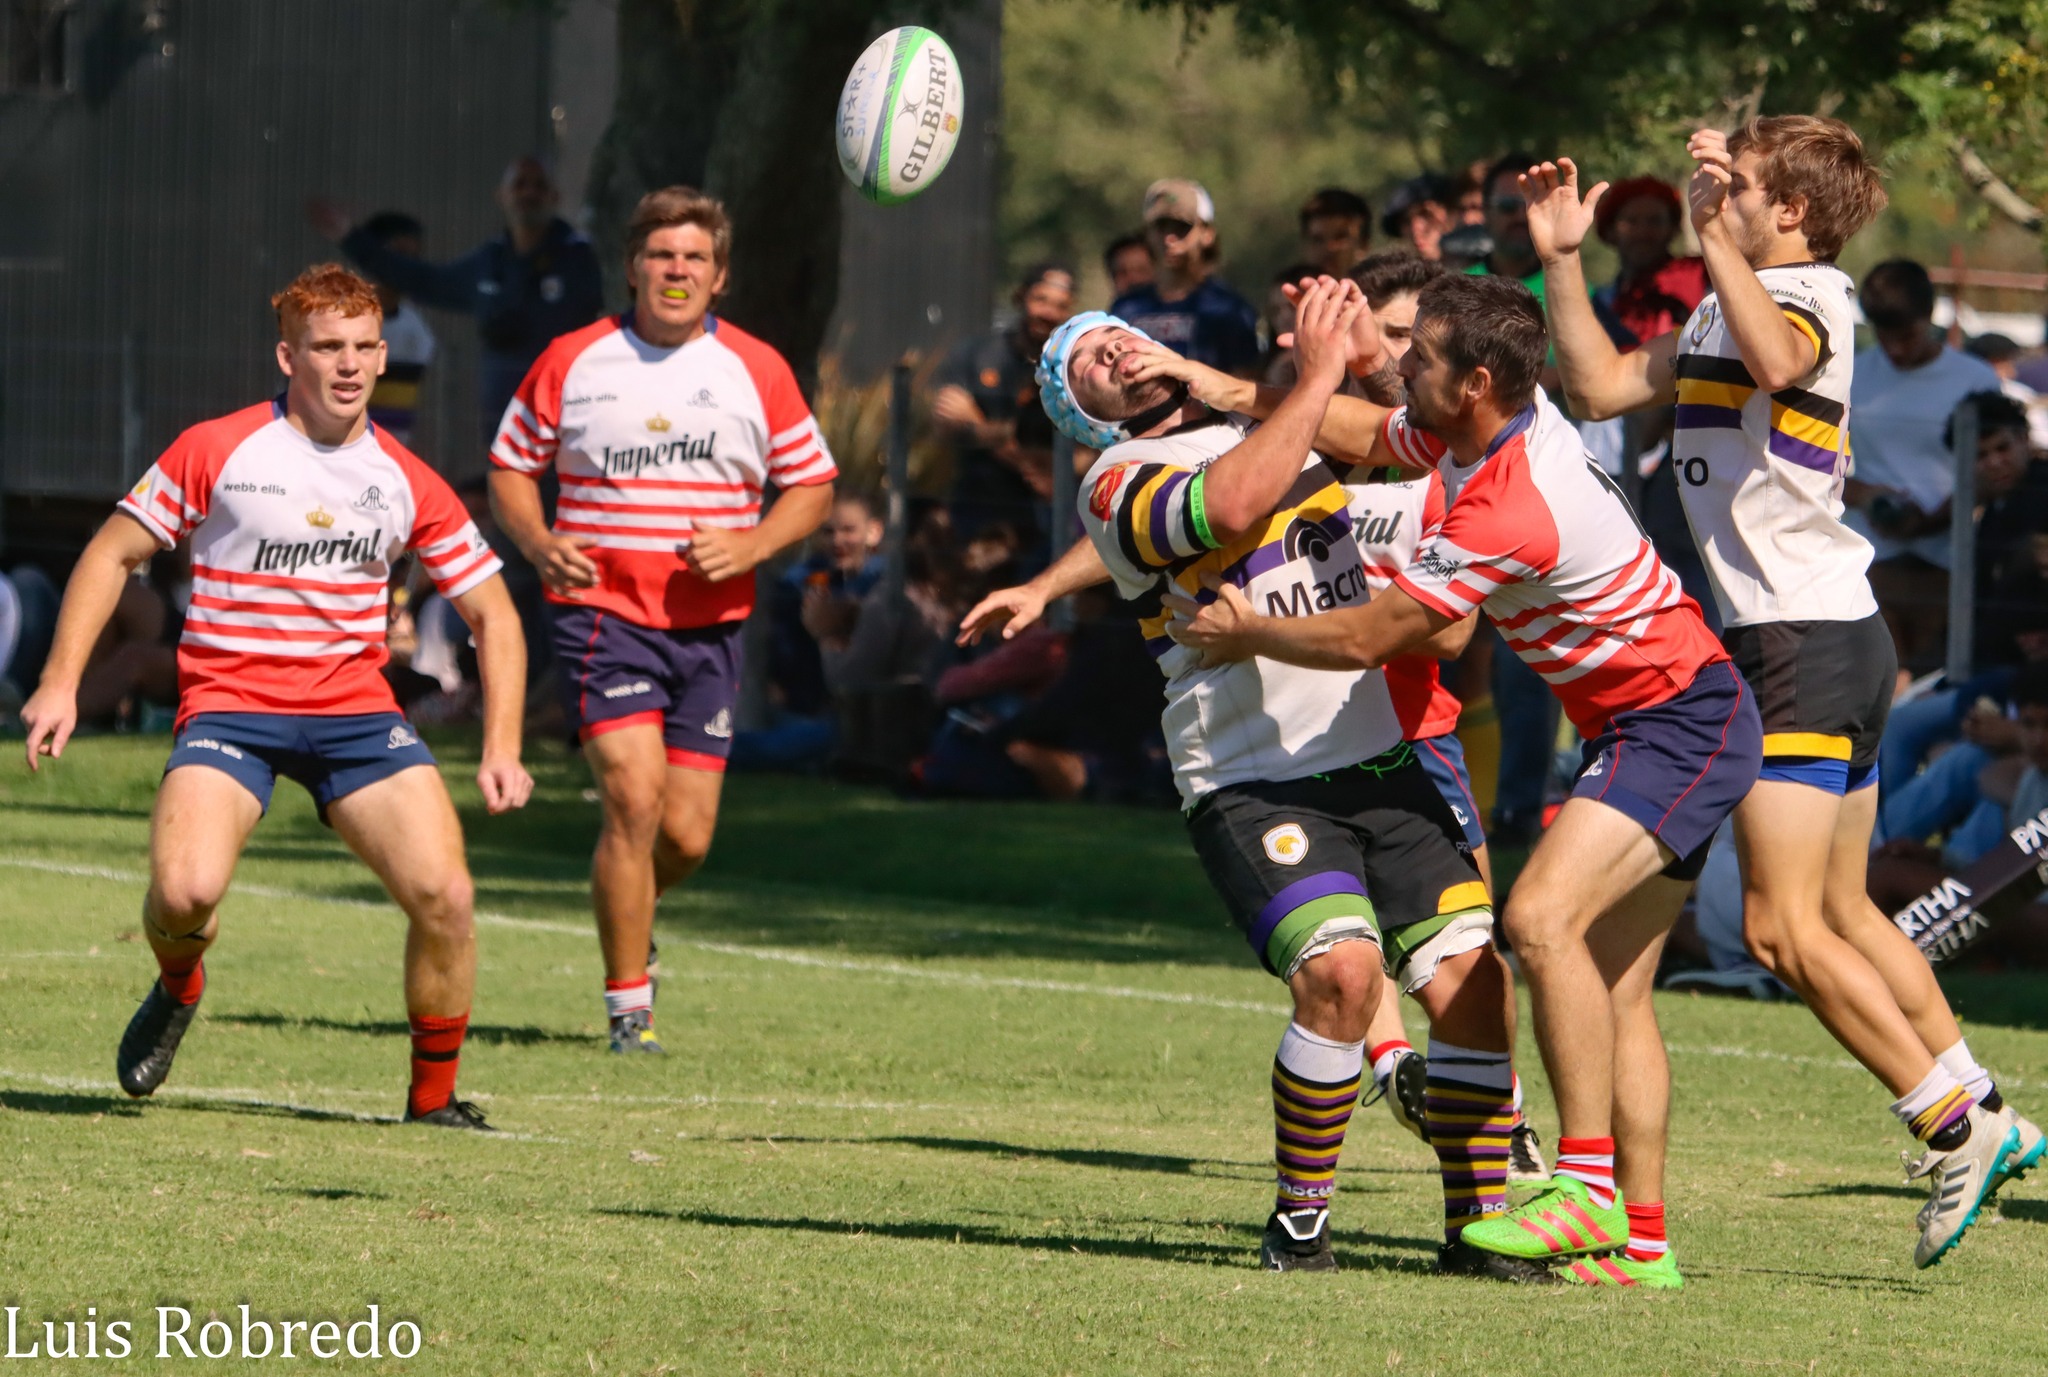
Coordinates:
<point>663,424</point>
<point>1312,817</point>
<point>297,509</point>
<point>1760,376</point>
<point>1536,535</point>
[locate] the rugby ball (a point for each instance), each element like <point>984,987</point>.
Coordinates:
<point>899,115</point>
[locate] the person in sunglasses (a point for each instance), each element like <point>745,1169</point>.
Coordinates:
<point>1186,306</point>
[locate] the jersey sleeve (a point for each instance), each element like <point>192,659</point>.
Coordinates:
<point>797,455</point>
<point>529,432</point>
<point>1825,322</point>
<point>176,494</point>
<point>1476,549</point>
<point>451,549</point>
<point>1411,446</point>
<point>1151,512</point>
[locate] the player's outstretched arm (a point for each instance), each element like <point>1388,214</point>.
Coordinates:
<point>1391,625</point>
<point>501,666</point>
<point>1776,352</point>
<point>717,554</point>
<point>1014,609</point>
<point>1599,380</point>
<point>110,559</point>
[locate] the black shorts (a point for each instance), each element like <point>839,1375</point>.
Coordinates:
<point>1825,690</point>
<point>1373,843</point>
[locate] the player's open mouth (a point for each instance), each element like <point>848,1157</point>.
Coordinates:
<point>675,293</point>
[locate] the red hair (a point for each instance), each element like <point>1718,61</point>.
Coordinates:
<point>323,287</point>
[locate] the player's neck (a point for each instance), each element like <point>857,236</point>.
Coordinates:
<point>1783,251</point>
<point>663,336</point>
<point>1470,441</point>
<point>321,429</point>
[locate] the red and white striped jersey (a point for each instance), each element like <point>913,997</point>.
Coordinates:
<point>1538,536</point>
<point>1391,513</point>
<point>653,443</point>
<point>292,548</point>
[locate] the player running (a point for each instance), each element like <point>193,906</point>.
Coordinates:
<point>664,425</point>
<point>1536,535</point>
<point>1312,817</point>
<point>1390,511</point>
<point>297,509</point>
<point>1760,376</point>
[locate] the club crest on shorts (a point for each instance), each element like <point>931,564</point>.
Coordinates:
<point>1286,844</point>
<point>721,725</point>
<point>401,737</point>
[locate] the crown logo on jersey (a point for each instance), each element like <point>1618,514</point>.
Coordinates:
<point>658,423</point>
<point>319,517</point>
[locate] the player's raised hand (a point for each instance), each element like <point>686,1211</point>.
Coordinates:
<point>1218,629</point>
<point>50,715</point>
<point>1707,194</point>
<point>505,785</point>
<point>1323,320</point>
<point>1366,352</point>
<point>1012,609</point>
<point>563,566</point>
<point>1558,217</point>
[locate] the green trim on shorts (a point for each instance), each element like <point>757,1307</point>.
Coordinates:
<point>1295,930</point>
<point>1403,943</point>
<point>1198,512</point>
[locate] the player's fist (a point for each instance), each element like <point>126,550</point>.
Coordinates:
<point>718,554</point>
<point>50,716</point>
<point>1558,218</point>
<point>505,784</point>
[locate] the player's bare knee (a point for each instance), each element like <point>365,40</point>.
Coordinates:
<point>1344,978</point>
<point>632,808</point>
<point>1773,939</point>
<point>687,842</point>
<point>444,902</point>
<point>181,904</point>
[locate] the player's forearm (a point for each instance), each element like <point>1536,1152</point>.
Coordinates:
<point>1341,640</point>
<point>515,503</point>
<point>1776,354</point>
<point>1080,567</point>
<point>1249,481</point>
<point>1595,375</point>
<point>500,663</point>
<point>797,512</point>
<point>90,597</point>
<point>1449,643</point>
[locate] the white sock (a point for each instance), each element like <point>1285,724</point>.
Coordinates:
<point>1958,1062</point>
<point>1470,1066</point>
<point>1926,1107</point>
<point>631,999</point>
<point>1383,1064</point>
<point>1318,1059</point>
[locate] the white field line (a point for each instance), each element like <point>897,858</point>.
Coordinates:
<point>882,969</point>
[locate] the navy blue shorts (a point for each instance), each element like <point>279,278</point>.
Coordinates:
<point>617,673</point>
<point>331,757</point>
<point>1443,760</point>
<point>1680,767</point>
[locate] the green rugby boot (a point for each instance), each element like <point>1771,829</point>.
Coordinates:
<point>1558,1221</point>
<point>1659,1274</point>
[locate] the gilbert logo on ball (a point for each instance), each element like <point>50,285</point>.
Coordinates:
<point>899,115</point>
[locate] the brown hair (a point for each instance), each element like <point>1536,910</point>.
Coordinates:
<point>1487,322</point>
<point>1385,276</point>
<point>680,205</point>
<point>323,287</point>
<point>1822,162</point>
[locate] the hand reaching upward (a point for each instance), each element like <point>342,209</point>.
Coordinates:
<point>1558,218</point>
<point>1707,194</point>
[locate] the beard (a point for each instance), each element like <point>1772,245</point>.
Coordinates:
<point>1120,401</point>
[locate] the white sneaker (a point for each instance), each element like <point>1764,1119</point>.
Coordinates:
<point>1959,1182</point>
<point>2033,1146</point>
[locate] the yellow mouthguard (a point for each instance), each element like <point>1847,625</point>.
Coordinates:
<point>675,293</point>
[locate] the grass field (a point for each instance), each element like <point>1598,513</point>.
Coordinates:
<point>951,1089</point>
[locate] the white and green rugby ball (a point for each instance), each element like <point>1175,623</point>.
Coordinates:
<point>899,115</point>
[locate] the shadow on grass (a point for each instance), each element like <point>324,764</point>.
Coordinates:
<point>56,1102</point>
<point>494,1034</point>
<point>1862,1188</point>
<point>277,1109</point>
<point>1853,1280</point>
<point>1212,1168</point>
<point>1235,1255</point>
<point>329,1193</point>
<point>76,810</point>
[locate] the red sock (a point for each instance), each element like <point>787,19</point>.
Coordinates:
<point>1590,1161</point>
<point>436,1052</point>
<point>183,977</point>
<point>1646,1241</point>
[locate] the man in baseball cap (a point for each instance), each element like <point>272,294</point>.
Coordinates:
<point>1187,307</point>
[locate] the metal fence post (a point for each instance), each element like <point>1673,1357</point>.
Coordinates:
<point>1962,542</point>
<point>897,480</point>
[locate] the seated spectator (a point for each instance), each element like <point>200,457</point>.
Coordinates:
<point>1128,261</point>
<point>1417,214</point>
<point>1905,387</point>
<point>1655,291</point>
<point>2004,354</point>
<point>1336,231</point>
<point>982,390</point>
<point>1186,306</point>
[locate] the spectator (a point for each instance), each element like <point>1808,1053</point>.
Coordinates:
<point>1469,196</point>
<point>409,344</point>
<point>1507,224</point>
<point>2003,354</point>
<point>1187,307</point>
<point>28,625</point>
<point>537,280</point>
<point>822,591</point>
<point>1906,385</point>
<point>1128,261</point>
<point>1418,213</point>
<point>1336,230</point>
<point>983,389</point>
<point>1655,291</point>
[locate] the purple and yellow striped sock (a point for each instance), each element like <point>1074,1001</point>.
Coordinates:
<point>1315,1086</point>
<point>1935,1110</point>
<point>1470,1108</point>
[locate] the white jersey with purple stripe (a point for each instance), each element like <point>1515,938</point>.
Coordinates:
<point>1761,473</point>
<point>1257,719</point>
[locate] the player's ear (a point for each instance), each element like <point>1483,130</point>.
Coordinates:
<point>284,357</point>
<point>383,356</point>
<point>1791,213</point>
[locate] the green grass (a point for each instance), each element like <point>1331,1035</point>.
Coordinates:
<point>950,1089</point>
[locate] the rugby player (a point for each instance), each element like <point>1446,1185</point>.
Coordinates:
<point>1312,817</point>
<point>1760,375</point>
<point>297,509</point>
<point>663,425</point>
<point>1390,510</point>
<point>1537,536</point>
